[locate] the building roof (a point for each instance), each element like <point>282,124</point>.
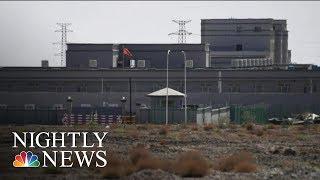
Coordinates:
<point>163,93</point>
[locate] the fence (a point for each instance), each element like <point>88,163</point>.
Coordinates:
<point>242,114</point>
<point>20,116</point>
<point>79,119</point>
<point>283,111</point>
<point>53,116</point>
<point>212,116</point>
<point>158,115</point>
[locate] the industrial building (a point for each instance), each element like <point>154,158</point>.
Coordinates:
<point>246,39</point>
<point>239,62</point>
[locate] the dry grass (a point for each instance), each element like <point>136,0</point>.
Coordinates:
<point>191,164</point>
<point>52,170</point>
<point>245,167</point>
<point>134,134</point>
<point>163,142</point>
<point>138,153</point>
<point>194,128</point>
<point>141,158</point>
<point>232,126</point>
<point>117,168</point>
<point>153,163</point>
<point>239,162</point>
<point>208,127</point>
<point>164,130</point>
<point>249,126</point>
<point>258,131</point>
<point>271,126</point>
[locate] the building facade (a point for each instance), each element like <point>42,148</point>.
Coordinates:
<point>143,55</point>
<point>105,87</point>
<point>245,39</point>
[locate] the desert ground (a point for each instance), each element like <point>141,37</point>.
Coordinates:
<point>247,151</point>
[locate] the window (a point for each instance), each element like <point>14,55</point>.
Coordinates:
<point>238,29</point>
<point>234,88</point>
<point>239,47</point>
<point>284,88</point>
<point>258,88</point>
<point>314,88</point>
<point>305,89</point>
<point>257,29</point>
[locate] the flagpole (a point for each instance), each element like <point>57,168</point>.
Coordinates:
<point>122,57</point>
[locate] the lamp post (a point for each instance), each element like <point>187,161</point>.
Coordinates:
<point>168,53</point>
<point>123,101</point>
<point>185,87</point>
<point>69,105</point>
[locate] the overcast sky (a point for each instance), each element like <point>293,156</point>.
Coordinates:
<point>27,28</point>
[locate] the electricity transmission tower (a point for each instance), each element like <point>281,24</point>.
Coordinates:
<point>182,32</point>
<point>63,29</point>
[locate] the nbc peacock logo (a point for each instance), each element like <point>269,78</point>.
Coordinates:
<point>26,159</point>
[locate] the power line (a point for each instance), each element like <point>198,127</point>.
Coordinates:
<point>63,28</point>
<point>182,32</point>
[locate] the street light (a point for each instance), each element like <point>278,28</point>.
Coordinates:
<point>168,52</point>
<point>185,87</point>
<point>123,100</point>
<point>69,105</point>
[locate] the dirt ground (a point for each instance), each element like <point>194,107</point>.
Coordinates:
<point>278,152</point>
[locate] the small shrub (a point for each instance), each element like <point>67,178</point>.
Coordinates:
<point>239,162</point>
<point>138,153</point>
<point>163,130</point>
<point>245,167</point>
<point>194,128</point>
<point>142,127</point>
<point>270,126</point>
<point>163,142</point>
<point>134,134</point>
<point>258,131</point>
<point>248,116</point>
<point>233,126</point>
<point>117,168</point>
<point>223,122</point>
<point>191,164</point>
<point>183,126</point>
<point>249,126</point>
<point>208,127</point>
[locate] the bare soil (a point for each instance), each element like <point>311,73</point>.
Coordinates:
<point>280,152</point>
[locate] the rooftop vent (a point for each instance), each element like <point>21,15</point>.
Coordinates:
<point>141,63</point>
<point>189,63</point>
<point>93,63</point>
<point>44,63</point>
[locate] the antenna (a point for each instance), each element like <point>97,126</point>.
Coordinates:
<point>182,32</point>
<point>63,28</point>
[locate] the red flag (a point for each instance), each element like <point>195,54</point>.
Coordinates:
<point>127,53</point>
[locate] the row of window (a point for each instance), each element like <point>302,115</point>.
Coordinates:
<point>255,29</point>
<point>197,87</point>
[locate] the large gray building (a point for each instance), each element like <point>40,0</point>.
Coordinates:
<point>245,39</point>
<point>98,75</point>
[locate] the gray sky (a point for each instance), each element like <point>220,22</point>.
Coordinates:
<point>27,28</point>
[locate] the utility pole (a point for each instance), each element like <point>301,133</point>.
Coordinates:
<point>63,29</point>
<point>182,32</point>
<point>185,87</point>
<point>167,95</point>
